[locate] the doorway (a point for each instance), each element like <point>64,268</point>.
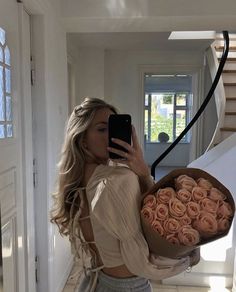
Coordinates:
<point>167,111</point>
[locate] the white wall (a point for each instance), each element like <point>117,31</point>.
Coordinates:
<point>91,73</point>
<point>57,112</point>
<point>123,85</point>
<point>50,107</point>
<point>119,71</point>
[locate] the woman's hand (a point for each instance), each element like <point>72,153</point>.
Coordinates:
<point>133,157</point>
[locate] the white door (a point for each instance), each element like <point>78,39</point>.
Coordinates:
<point>13,172</point>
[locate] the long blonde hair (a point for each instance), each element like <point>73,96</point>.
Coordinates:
<point>72,161</point>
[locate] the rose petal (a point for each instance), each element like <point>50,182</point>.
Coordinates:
<point>206,224</point>
<point>204,183</point>
<point>172,238</point>
<point>216,195</point>
<point>185,182</point>
<point>224,210</point>
<point>199,193</point>
<point>185,220</point>
<point>176,208</point>
<point>150,201</point>
<point>171,225</point>
<point>148,214</point>
<point>157,226</point>
<point>209,205</point>
<point>165,194</point>
<point>223,224</point>
<point>184,195</point>
<point>161,212</point>
<point>193,209</point>
<point>188,236</point>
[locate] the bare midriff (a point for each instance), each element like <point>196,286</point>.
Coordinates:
<point>118,272</point>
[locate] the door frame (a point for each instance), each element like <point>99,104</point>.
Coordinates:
<point>198,90</point>
<point>27,149</point>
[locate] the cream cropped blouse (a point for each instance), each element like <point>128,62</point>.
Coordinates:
<point>113,194</point>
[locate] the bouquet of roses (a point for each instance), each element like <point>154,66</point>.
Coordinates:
<point>184,210</point>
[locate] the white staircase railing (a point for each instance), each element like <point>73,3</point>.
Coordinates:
<point>219,94</point>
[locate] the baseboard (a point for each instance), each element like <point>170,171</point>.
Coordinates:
<point>65,276</point>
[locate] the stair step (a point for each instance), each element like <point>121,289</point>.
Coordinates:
<point>229,84</point>
<point>220,48</point>
<point>229,71</point>
<point>229,59</point>
<point>228,129</point>
<point>231,98</point>
<point>230,113</point>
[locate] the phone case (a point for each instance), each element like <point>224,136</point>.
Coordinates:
<point>119,126</point>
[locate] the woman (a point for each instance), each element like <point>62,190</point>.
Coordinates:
<point>97,205</point>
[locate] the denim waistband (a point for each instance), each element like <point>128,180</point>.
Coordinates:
<point>123,283</point>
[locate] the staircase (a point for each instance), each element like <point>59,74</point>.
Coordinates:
<point>228,126</point>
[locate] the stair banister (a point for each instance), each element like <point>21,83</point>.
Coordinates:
<point>219,94</point>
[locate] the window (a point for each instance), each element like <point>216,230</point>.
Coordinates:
<point>167,107</point>
<point>6,125</point>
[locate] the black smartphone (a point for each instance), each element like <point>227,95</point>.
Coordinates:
<point>119,126</point>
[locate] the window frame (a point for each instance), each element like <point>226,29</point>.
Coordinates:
<point>6,122</point>
<point>186,108</point>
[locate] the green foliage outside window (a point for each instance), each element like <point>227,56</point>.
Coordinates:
<point>168,99</point>
<point>161,124</point>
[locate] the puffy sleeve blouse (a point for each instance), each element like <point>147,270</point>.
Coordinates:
<point>114,197</point>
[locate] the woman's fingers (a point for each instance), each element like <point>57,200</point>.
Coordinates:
<point>124,144</point>
<point>134,138</point>
<point>121,153</point>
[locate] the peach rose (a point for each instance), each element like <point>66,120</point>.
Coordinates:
<point>188,236</point>
<point>176,208</point>
<point>185,182</point>
<point>161,211</point>
<point>172,238</point>
<point>206,224</point>
<point>223,224</point>
<point>185,220</point>
<point>198,193</point>
<point>157,226</point>
<point>171,225</point>
<point>209,206</point>
<point>216,195</point>
<point>204,183</point>
<point>193,209</point>
<point>224,210</point>
<point>165,194</point>
<point>184,195</point>
<point>148,213</point>
<point>150,201</point>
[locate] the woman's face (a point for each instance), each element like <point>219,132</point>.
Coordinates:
<point>96,138</point>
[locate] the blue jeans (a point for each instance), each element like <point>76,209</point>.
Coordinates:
<point>107,283</point>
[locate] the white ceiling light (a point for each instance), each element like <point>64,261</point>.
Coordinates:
<point>193,35</point>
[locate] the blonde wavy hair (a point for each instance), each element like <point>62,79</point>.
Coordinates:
<point>72,161</point>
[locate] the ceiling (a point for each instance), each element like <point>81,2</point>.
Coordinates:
<point>134,41</point>
<point>143,24</point>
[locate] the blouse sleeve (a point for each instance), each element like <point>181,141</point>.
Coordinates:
<point>116,207</point>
